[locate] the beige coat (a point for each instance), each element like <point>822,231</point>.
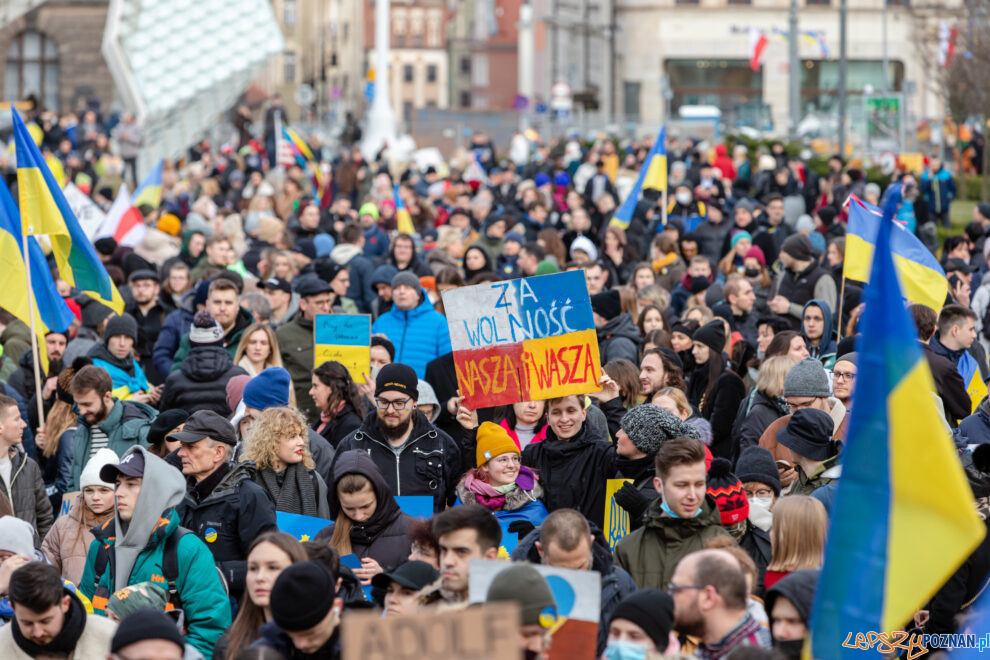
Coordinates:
<point>66,544</point>
<point>93,643</point>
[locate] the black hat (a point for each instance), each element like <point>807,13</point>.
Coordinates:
<point>672,355</point>
<point>273,283</point>
<point>607,304</point>
<point>984,209</point>
<point>105,246</point>
<point>206,424</point>
<point>93,312</point>
<point>799,247</point>
<point>797,587</point>
<point>411,575</point>
<point>144,274</point>
<point>809,434</point>
<point>131,465</point>
<point>311,285</point>
<point>712,335</point>
<point>650,609</point>
<point>757,464</point>
<point>956,265</point>
<point>827,215</point>
<point>121,325</point>
<point>144,624</point>
<point>327,270</point>
<point>397,377</point>
<point>302,596</point>
<point>164,423</point>
<point>305,246</point>
<point>234,277</point>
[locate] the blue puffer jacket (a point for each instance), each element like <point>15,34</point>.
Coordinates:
<point>939,188</point>
<point>176,325</point>
<point>419,334</point>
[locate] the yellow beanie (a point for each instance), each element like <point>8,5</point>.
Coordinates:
<point>493,440</point>
<point>170,224</point>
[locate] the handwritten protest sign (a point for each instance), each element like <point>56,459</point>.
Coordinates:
<point>616,518</point>
<point>489,632</point>
<point>345,338</point>
<point>67,500</point>
<point>523,340</point>
<point>301,527</point>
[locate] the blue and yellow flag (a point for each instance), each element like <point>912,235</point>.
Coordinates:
<point>150,190</point>
<point>652,176</point>
<point>49,309</point>
<point>44,210</point>
<point>904,517</point>
<point>922,278</point>
<point>972,379</point>
<point>403,221</point>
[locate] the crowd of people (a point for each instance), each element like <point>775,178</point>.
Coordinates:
<point>140,514</point>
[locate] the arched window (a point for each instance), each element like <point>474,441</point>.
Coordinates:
<point>32,68</point>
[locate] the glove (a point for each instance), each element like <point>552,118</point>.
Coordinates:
<point>521,527</point>
<point>632,500</point>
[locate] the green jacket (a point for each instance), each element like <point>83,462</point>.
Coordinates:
<point>295,341</point>
<point>806,485</point>
<point>230,340</point>
<point>126,425</point>
<point>203,600</point>
<point>16,340</point>
<point>650,554</point>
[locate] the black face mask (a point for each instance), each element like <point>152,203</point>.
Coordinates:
<point>752,272</point>
<point>791,649</point>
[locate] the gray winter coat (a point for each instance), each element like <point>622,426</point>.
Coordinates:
<point>25,494</point>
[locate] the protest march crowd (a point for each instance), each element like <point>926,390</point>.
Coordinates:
<point>146,513</point>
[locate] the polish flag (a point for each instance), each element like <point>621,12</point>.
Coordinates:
<point>946,43</point>
<point>757,44</point>
<point>123,222</point>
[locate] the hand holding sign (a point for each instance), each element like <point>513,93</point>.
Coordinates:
<point>467,417</point>
<point>610,389</point>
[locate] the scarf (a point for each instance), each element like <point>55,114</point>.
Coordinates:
<point>65,641</point>
<point>295,494</point>
<point>635,468</point>
<point>325,419</point>
<point>493,497</point>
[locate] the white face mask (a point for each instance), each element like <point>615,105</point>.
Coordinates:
<point>683,198</point>
<point>759,512</point>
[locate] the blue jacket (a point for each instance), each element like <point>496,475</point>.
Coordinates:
<point>375,242</point>
<point>176,325</point>
<point>976,428</point>
<point>360,289</point>
<point>419,335</point>
<point>939,189</point>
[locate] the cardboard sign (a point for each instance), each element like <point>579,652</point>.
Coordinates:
<point>578,598</point>
<point>616,523</point>
<point>417,506</point>
<point>344,338</point>
<point>301,527</point>
<point>489,632</point>
<point>523,340</point>
<point>67,500</point>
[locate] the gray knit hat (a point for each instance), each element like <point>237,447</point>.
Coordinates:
<point>407,278</point>
<point>807,378</point>
<point>523,584</point>
<point>205,331</point>
<point>648,426</point>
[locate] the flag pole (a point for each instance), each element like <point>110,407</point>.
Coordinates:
<point>35,349</point>
<point>842,294</point>
<point>663,211</point>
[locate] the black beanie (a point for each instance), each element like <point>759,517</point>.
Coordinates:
<point>105,246</point>
<point>799,247</point>
<point>144,624</point>
<point>607,304</point>
<point>397,377</point>
<point>650,609</point>
<point>121,325</point>
<point>302,596</point>
<point>827,215</point>
<point>712,335</point>
<point>756,464</point>
<point>93,312</point>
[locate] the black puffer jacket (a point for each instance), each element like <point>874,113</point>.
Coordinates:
<point>385,536</point>
<point>573,472</point>
<point>428,463</point>
<point>201,382</point>
<point>231,505</point>
<point>756,412</point>
<point>619,338</point>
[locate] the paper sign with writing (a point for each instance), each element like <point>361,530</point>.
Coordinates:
<point>488,632</point>
<point>67,500</point>
<point>344,338</point>
<point>616,518</point>
<point>301,527</point>
<point>523,340</point>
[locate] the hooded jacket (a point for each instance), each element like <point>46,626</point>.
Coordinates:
<point>26,492</point>
<point>825,351</point>
<point>419,334</point>
<point>384,537</point>
<point>228,518</point>
<point>616,583</point>
<point>230,340</point>
<point>127,424</point>
<point>136,552</point>
<point>68,541</point>
<point>360,269</point>
<point>427,464</point>
<point>619,339</point>
<point>201,381</point>
<point>650,553</point>
<point>573,472</point>
<point>176,326</point>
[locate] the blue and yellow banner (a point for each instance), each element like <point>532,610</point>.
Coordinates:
<point>150,190</point>
<point>652,176</point>
<point>403,220</point>
<point>972,379</point>
<point>904,518</point>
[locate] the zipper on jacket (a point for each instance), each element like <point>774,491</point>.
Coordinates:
<point>409,443</point>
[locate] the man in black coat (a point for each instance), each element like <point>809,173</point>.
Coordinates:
<point>948,383</point>
<point>150,313</point>
<point>223,505</point>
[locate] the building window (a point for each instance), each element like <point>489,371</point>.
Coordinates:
<point>289,66</point>
<point>431,73</point>
<point>466,65</point>
<point>630,100</point>
<point>431,104</point>
<point>407,73</point>
<point>407,111</point>
<point>740,2</point>
<point>289,13</point>
<point>729,85</point>
<point>820,80</point>
<point>898,3</point>
<point>687,2</point>
<point>479,70</point>
<point>32,69</point>
<point>818,3</point>
<point>465,99</point>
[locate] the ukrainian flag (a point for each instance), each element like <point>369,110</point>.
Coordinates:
<point>150,190</point>
<point>49,309</point>
<point>44,210</point>
<point>970,372</point>
<point>904,517</point>
<point>303,154</point>
<point>922,278</point>
<point>402,218</point>
<point>652,176</point>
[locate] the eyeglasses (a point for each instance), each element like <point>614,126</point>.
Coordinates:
<point>762,492</point>
<point>398,406</point>
<point>674,588</point>
<point>843,375</point>
<point>798,405</point>
<point>506,459</point>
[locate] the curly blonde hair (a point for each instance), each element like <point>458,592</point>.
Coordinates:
<point>272,426</point>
